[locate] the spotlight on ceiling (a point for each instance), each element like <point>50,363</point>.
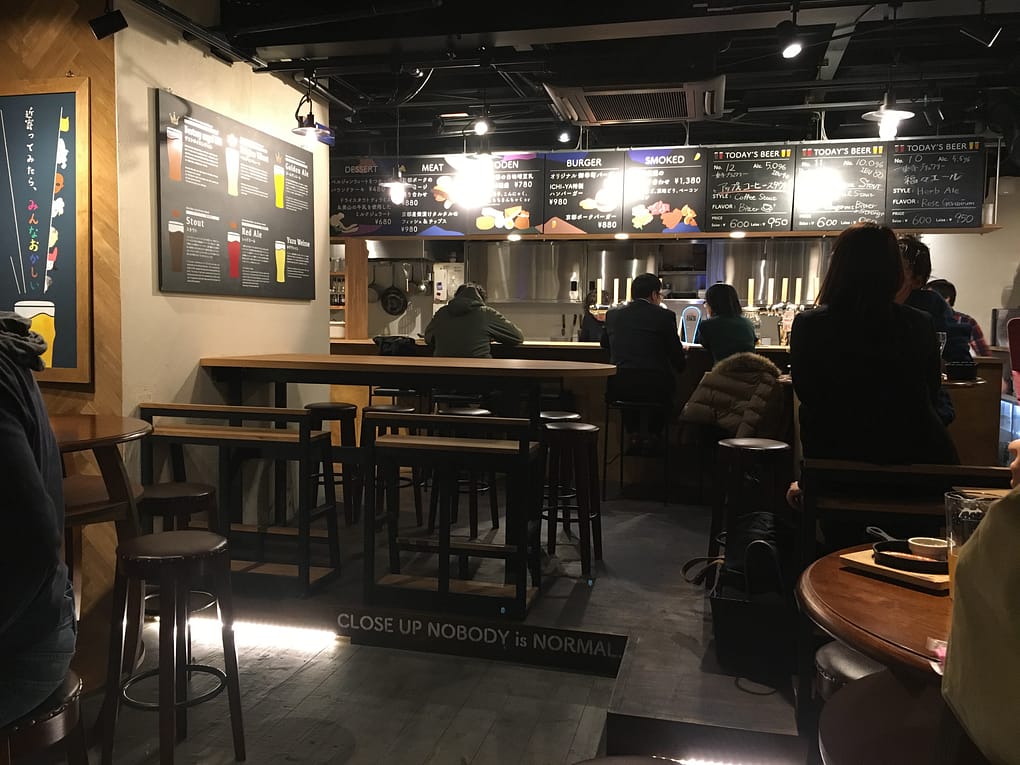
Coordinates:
<point>790,44</point>
<point>888,116</point>
<point>482,126</point>
<point>307,127</point>
<point>981,30</point>
<point>565,133</point>
<point>109,23</point>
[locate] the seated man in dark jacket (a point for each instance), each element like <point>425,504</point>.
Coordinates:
<point>466,326</point>
<point>644,344</point>
<point>37,627</point>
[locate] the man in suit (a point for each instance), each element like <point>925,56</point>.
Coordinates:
<point>644,345</point>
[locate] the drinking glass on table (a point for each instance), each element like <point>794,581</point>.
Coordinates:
<point>963,514</point>
<point>942,342</point>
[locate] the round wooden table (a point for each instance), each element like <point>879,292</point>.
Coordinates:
<point>100,434</point>
<point>889,622</point>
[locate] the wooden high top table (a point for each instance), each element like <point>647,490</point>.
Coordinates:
<point>522,377</point>
<point>102,435</point>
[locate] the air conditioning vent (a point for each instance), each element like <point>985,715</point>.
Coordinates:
<point>688,102</point>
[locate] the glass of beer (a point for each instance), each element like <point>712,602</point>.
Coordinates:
<point>963,514</point>
<point>42,314</point>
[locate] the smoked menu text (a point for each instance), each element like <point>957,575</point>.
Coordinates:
<point>235,207</point>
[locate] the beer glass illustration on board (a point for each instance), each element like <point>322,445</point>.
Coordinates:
<point>281,261</point>
<point>233,164</point>
<point>174,152</point>
<point>176,229</point>
<point>278,183</point>
<point>42,314</point>
<point>234,253</point>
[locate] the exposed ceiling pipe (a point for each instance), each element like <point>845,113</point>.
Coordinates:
<point>374,10</point>
<point>384,64</point>
<point>187,26</point>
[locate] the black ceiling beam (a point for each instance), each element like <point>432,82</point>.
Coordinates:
<point>403,63</point>
<point>373,11</point>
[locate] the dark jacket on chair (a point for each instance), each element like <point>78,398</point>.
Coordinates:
<point>741,395</point>
<point>33,594</point>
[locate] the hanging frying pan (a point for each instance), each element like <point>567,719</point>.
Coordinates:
<point>895,553</point>
<point>393,299</point>
<point>374,290</point>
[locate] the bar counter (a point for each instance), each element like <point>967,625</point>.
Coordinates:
<point>975,430</point>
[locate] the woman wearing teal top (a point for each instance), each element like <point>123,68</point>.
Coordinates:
<point>727,331</point>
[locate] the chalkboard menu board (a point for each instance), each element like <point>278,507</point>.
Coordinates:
<point>838,184</point>
<point>358,205</point>
<point>936,183</point>
<point>235,207</point>
<point>44,215</point>
<point>584,192</point>
<point>664,190</point>
<point>751,188</point>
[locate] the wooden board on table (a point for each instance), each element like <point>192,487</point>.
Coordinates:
<point>864,560</point>
<point>972,491</point>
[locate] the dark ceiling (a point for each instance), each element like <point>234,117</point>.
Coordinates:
<point>432,57</point>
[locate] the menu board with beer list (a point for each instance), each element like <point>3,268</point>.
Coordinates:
<point>584,192</point>
<point>664,190</point>
<point>839,184</point>
<point>750,188</point>
<point>936,183</point>
<point>235,207</point>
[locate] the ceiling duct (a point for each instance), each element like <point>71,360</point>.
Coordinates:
<point>688,102</point>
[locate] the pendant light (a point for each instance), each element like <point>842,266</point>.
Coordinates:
<point>396,185</point>
<point>307,127</point>
<point>887,115</point>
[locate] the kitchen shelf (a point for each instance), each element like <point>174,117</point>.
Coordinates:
<point>338,273</point>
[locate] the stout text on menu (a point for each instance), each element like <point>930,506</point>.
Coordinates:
<point>936,183</point>
<point>839,184</point>
<point>235,207</point>
<point>751,188</point>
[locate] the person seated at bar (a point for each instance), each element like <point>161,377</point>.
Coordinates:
<point>37,623</point>
<point>947,290</point>
<point>865,367</point>
<point>916,293</point>
<point>466,327</point>
<point>726,331</point>
<point>593,322</point>
<point>644,344</point>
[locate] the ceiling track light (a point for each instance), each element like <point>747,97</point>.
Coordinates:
<point>888,116</point>
<point>481,126</point>
<point>789,35</point>
<point>307,127</point>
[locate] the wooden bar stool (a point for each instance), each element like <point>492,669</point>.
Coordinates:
<point>57,719</point>
<point>414,481</point>
<point>175,502</point>
<point>474,486</point>
<point>173,559</point>
<point>574,446</point>
<point>350,481</point>
<point>647,411</point>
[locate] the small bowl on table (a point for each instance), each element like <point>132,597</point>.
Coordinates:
<point>929,547</point>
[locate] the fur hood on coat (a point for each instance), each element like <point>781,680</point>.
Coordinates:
<point>741,394</point>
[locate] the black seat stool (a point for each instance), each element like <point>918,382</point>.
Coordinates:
<point>57,719</point>
<point>474,486</point>
<point>565,491</point>
<point>414,481</point>
<point>647,410</point>
<point>753,474</point>
<point>349,480</point>
<point>837,664</point>
<point>575,445</point>
<point>172,559</point>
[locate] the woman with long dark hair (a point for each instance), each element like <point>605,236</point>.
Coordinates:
<point>865,368</point>
<point>727,331</point>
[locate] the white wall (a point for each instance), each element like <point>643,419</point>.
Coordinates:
<point>985,269</point>
<point>164,335</point>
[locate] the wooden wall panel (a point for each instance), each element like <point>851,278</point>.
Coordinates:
<point>49,39</point>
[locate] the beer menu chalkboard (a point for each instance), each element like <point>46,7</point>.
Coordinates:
<point>936,183</point>
<point>44,219</point>
<point>235,207</point>
<point>664,190</point>
<point>838,184</point>
<point>751,188</point>
<point>584,192</point>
